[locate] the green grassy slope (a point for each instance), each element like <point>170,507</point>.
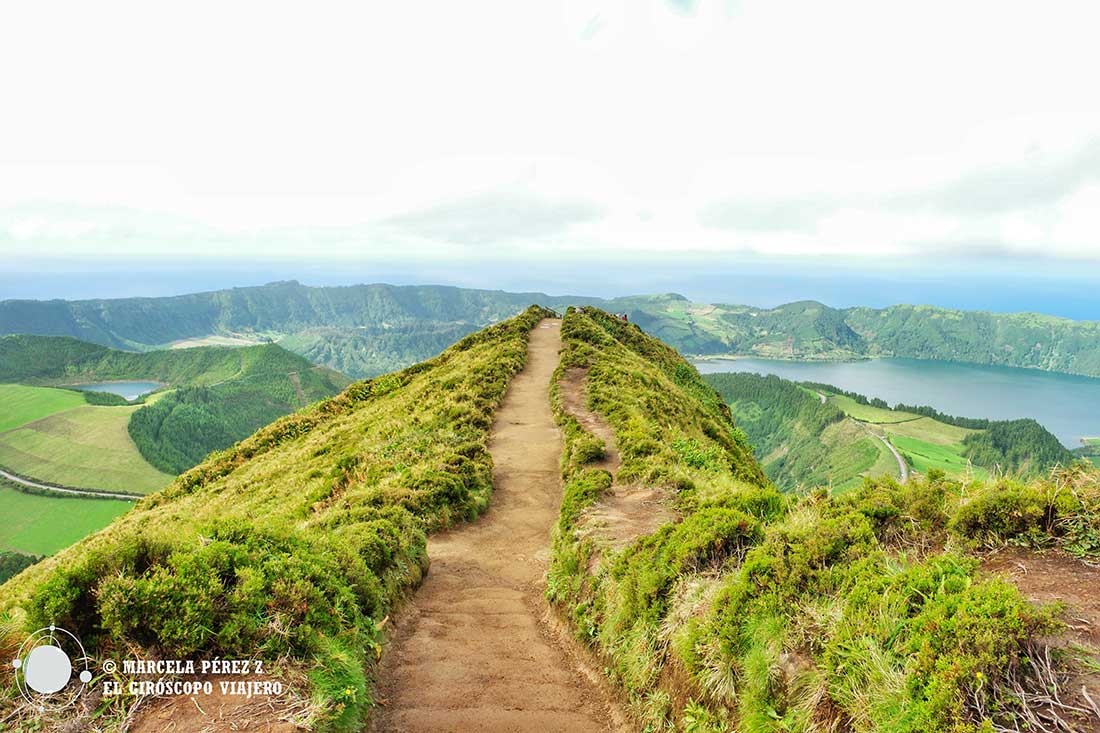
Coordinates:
<point>23,404</point>
<point>294,544</point>
<point>224,394</point>
<point>762,613</point>
<point>799,441</point>
<point>87,447</point>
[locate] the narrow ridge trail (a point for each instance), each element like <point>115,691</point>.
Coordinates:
<point>472,650</point>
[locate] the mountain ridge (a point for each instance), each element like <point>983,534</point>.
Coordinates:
<point>369,329</point>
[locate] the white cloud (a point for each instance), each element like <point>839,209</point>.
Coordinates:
<point>859,127</point>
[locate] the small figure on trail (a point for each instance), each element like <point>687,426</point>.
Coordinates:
<point>625,319</point>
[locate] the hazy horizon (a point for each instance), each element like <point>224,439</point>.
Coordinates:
<point>603,147</point>
<point>760,283</point>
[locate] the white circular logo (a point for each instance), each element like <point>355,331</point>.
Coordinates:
<point>44,668</point>
<point>47,669</point>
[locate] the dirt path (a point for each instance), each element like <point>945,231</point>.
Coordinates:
<point>472,651</point>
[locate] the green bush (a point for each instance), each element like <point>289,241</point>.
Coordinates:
<point>1005,512</point>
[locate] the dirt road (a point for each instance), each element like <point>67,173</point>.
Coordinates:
<point>472,651</point>
<point>62,490</point>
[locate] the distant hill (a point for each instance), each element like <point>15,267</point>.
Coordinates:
<point>810,330</point>
<point>803,440</point>
<point>359,329</point>
<point>218,395</point>
<point>364,330</point>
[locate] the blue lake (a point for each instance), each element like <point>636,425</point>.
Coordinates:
<point>1067,406</point>
<point>129,390</point>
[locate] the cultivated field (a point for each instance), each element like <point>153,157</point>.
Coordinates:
<point>53,436</point>
<point>42,525</point>
<point>924,442</point>
<point>20,404</point>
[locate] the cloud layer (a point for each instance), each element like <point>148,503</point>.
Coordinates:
<point>507,128</point>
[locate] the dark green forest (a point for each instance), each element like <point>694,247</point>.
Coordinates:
<point>11,563</point>
<point>785,424</point>
<point>1017,446</point>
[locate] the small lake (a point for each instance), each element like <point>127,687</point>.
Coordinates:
<point>128,390</point>
<point>1066,405</point>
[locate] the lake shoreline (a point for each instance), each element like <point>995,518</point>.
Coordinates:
<point>1058,401</point>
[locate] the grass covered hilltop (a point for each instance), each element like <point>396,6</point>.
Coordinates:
<point>713,601</point>
<point>756,611</point>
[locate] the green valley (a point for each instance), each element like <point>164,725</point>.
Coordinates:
<point>57,437</point>
<point>811,434</point>
<point>218,395</point>
<point>711,600</point>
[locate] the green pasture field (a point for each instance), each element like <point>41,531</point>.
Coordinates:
<point>855,454</point>
<point>924,455</point>
<point>932,431</point>
<point>42,525</point>
<point>867,413</point>
<point>83,447</point>
<point>20,404</point>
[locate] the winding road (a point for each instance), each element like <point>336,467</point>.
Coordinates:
<point>62,490</point>
<point>903,467</point>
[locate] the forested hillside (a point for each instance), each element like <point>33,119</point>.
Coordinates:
<point>808,435</point>
<point>799,440</point>
<point>362,330</point>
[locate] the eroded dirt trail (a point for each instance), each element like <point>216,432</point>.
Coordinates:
<point>472,651</point>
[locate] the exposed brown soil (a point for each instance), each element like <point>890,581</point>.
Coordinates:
<point>1053,576</point>
<point>574,398</point>
<point>1047,577</point>
<point>625,512</point>
<point>472,651</point>
<point>216,712</point>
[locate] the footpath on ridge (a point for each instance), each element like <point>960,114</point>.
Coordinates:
<point>472,651</point>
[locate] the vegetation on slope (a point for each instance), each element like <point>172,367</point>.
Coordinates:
<point>224,395</point>
<point>761,612</point>
<point>802,442</point>
<point>11,563</point>
<point>1022,446</point>
<point>799,440</point>
<point>85,447</point>
<point>293,544</point>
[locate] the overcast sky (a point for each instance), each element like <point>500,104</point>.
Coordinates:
<point>515,130</point>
